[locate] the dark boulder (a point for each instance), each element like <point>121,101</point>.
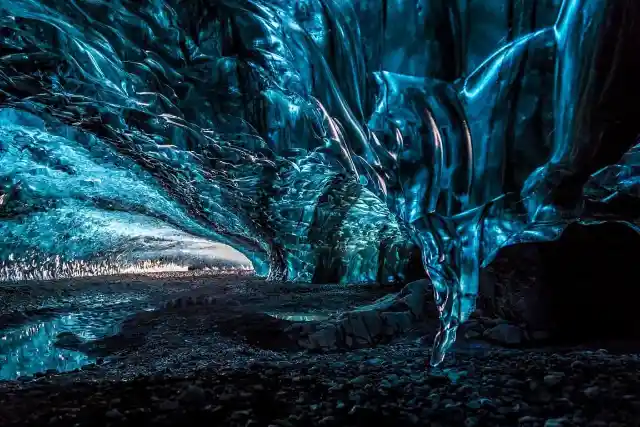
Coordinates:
<point>583,287</point>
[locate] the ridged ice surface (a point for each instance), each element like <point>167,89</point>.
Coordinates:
<point>325,140</point>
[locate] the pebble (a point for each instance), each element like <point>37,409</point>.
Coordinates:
<point>577,364</point>
<point>359,380</point>
<point>114,414</point>
<point>327,420</point>
<point>236,384</point>
<point>592,392</point>
<point>553,379</point>
<point>193,394</point>
<point>168,405</point>
<point>556,422</point>
<point>505,333</point>
<point>528,419</point>
<point>471,422</point>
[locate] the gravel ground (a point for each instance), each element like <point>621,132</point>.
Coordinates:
<point>228,364</point>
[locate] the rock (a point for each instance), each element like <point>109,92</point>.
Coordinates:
<point>327,420</point>
<point>505,334</point>
<point>359,380</point>
<point>374,362</point>
<point>577,364</point>
<point>553,379</point>
<point>114,414</point>
<point>537,283</point>
<point>479,403</point>
<point>528,419</point>
<point>471,422</point>
<point>472,334</point>
<point>556,422</point>
<point>243,413</point>
<point>325,338</point>
<point>68,340</point>
<point>592,392</point>
<point>513,383</point>
<point>192,394</point>
<point>168,405</point>
<point>540,335</point>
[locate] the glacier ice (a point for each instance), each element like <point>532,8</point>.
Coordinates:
<point>325,140</point>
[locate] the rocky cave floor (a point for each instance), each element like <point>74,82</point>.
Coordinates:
<point>210,356</point>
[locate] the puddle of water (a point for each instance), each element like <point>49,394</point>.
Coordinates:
<point>299,317</point>
<point>30,348</point>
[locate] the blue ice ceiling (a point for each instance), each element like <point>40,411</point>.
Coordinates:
<point>325,140</point>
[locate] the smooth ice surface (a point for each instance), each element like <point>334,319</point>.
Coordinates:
<point>326,140</point>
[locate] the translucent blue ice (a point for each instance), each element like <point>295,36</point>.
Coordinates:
<point>326,140</point>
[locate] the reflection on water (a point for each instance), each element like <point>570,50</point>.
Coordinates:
<point>299,317</point>
<point>29,349</point>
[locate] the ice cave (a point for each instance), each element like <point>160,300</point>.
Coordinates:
<point>319,212</point>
